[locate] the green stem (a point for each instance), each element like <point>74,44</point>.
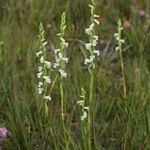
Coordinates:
<point>53,83</point>
<point>90,115</point>
<point>63,114</point>
<point>62,100</point>
<point>123,73</point>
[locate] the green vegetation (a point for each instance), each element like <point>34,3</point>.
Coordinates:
<point>115,94</point>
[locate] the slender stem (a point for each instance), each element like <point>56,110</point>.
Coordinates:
<point>123,73</point>
<point>62,100</point>
<point>63,114</point>
<point>53,83</point>
<point>120,41</point>
<point>90,115</point>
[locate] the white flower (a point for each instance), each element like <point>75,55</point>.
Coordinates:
<point>86,61</point>
<point>84,116</point>
<point>42,59</point>
<point>40,68</point>
<point>62,73</point>
<point>91,27</point>
<point>47,98</point>
<point>116,35</point>
<point>94,43</point>
<point>122,40</point>
<point>58,34</point>
<point>92,57</point>
<point>40,84</point>
<point>96,37</point>
<point>88,31</point>
<point>60,60</point>
<point>57,60</point>
<point>38,53</point>
<point>47,79</point>
<point>96,21</point>
<point>60,55</point>
<point>86,108</point>
<point>117,48</point>
<point>55,65</point>
<point>88,46</point>
<point>96,16</point>
<point>57,50</point>
<point>66,44</point>
<point>39,74</point>
<point>40,90</point>
<point>47,64</point>
<point>80,102</point>
<point>65,59</point>
<point>44,43</point>
<point>97,52</point>
<point>62,39</point>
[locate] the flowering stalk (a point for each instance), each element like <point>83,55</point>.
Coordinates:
<point>91,56</point>
<point>82,103</point>
<point>119,48</point>
<point>84,112</point>
<point>61,60</point>
<point>93,38</point>
<point>60,65</point>
<point>44,68</point>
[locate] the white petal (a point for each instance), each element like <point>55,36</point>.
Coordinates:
<point>47,98</point>
<point>60,55</point>
<point>38,53</point>
<point>116,34</point>
<point>40,90</point>
<point>39,74</point>
<point>40,84</point>
<point>84,116</point>
<point>55,65</point>
<point>40,68</point>
<point>86,108</point>
<point>122,40</point>
<point>96,21</point>
<point>117,48</point>
<point>86,61</point>
<point>62,39</point>
<point>80,102</point>
<point>91,27</point>
<point>87,31</point>
<point>65,59</point>
<point>56,51</point>
<point>47,79</point>
<point>42,59</point>
<point>96,16</point>
<point>94,43</point>
<point>88,46</point>
<point>92,58</point>
<point>48,64</point>
<point>62,73</point>
<point>97,52</point>
<point>44,43</point>
<point>66,44</point>
<point>96,37</point>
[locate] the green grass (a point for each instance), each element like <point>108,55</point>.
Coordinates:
<point>117,123</point>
